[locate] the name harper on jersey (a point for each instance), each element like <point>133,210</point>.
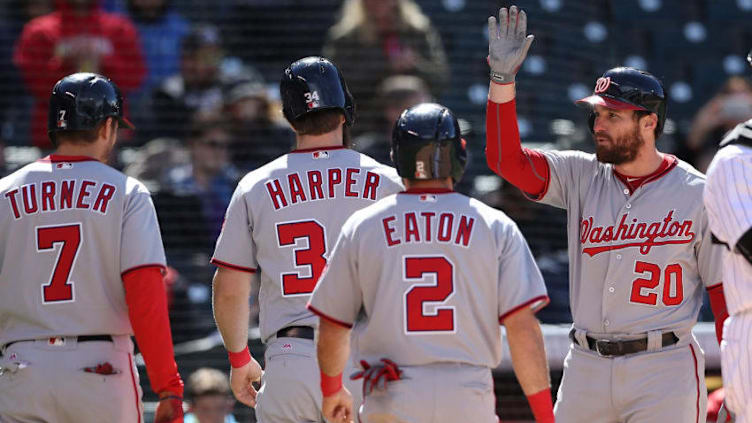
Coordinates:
<point>291,189</point>
<point>49,196</point>
<point>648,235</point>
<point>413,227</point>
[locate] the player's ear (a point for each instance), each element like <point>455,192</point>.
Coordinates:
<point>649,122</point>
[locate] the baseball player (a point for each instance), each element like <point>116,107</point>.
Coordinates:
<point>281,225</point>
<point>640,252</point>
<point>81,263</point>
<point>435,273</point>
<point>728,199</point>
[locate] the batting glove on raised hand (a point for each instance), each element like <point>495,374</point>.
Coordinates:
<point>508,44</point>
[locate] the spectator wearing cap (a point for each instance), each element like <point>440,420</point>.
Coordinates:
<point>257,136</point>
<point>395,94</point>
<point>209,397</point>
<point>196,88</point>
<point>77,37</point>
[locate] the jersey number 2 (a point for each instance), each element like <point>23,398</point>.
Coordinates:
<point>59,288</point>
<point>672,273</point>
<point>313,256</point>
<point>416,269</point>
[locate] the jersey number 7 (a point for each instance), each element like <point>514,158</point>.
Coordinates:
<point>311,256</point>
<point>59,289</point>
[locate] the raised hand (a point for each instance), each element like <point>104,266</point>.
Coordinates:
<point>508,44</point>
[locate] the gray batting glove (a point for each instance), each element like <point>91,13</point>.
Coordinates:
<point>507,44</point>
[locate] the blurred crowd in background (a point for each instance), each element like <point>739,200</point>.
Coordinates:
<point>201,85</point>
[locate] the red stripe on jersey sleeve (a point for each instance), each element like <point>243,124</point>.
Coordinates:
<point>162,268</point>
<point>536,304</point>
<point>716,286</point>
<point>221,263</point>
<point>331,319</point>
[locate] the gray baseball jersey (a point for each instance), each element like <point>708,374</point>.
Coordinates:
<point>69,228</point>
<point>434,272</point>
<point>728,199</point>
<point>284,218</point>
<point>637,262</point>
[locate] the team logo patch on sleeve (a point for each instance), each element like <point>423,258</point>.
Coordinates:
<point>320,155</point>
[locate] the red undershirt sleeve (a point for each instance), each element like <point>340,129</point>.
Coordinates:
<point>718,306</point>
<point>145,294</point>
<point>522,167</point>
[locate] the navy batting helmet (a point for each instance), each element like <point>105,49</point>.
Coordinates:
<point>82,100</point>
<point>629,89</point>
<point>427,144</point>
<point>312,84</point>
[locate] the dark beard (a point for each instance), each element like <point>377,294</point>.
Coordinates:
<point>624,150</point>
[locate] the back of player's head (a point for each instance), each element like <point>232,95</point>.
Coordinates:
<point>310,89</point>
<point>625,88</point>
<point>81,101</point>
<point>427,143</point>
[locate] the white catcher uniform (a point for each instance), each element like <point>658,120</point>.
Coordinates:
<point>638,267</point>
<point>728,199</point>
<point>434,272</point>
<point>282,222</point>
<point>69,228</point>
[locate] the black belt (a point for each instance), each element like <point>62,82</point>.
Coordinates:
<point>607,348</point>
<point>80,338</point>
<point>305,332</point>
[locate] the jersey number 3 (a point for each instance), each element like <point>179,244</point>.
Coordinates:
<point>416,318</point>
<point>311,256</point>
<point>60,288</point>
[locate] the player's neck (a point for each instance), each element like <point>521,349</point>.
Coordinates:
<point>445,183</point>
<point>95,150</point>
<point>330,139</point>
<point>646,162</point>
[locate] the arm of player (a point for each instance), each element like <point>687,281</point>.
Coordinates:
<point>718,306</point>
<point>231,290</point>
<point>333,350</point>
<point>529,361</point>
<point>507,47</point>
<point>146,296</point>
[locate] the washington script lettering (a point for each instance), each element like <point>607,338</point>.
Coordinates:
<point>647,235</point>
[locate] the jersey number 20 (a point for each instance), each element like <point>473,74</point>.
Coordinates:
<point>312,256</point>
<point>643,288</point>
<point>60,288</point>
<point>416,318</point>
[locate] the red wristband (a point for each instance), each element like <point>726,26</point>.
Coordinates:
<point>330,384</point>
<point>541,405</point>
<point>240,358</point>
